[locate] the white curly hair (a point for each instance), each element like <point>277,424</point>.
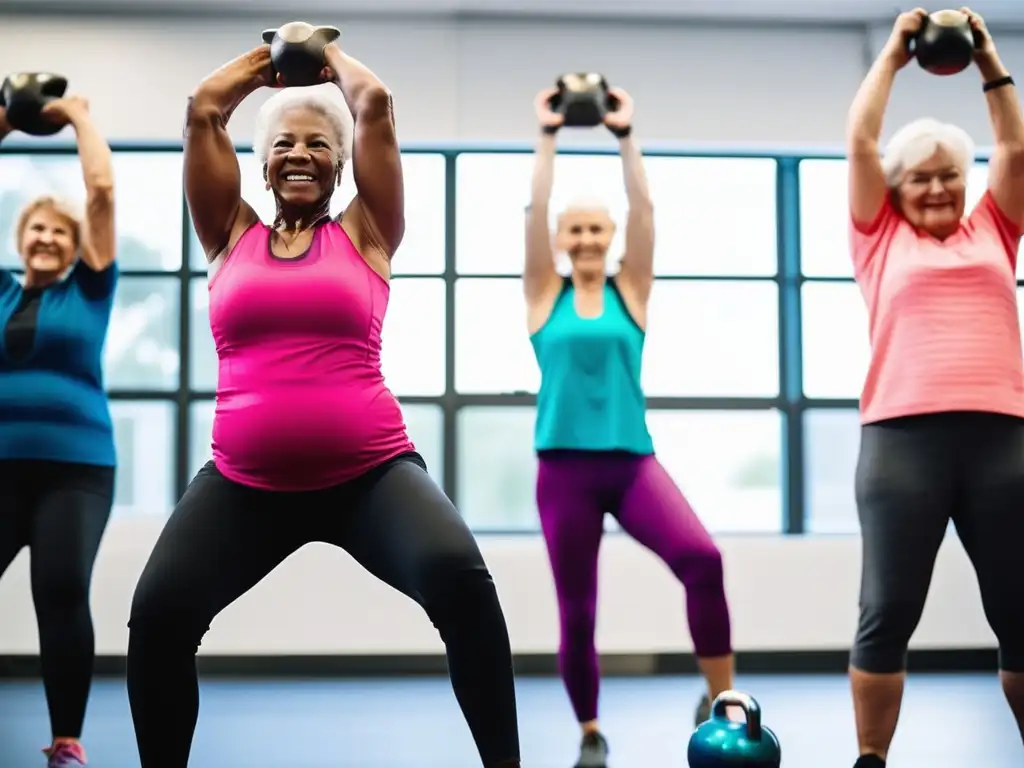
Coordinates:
<point>917,141</point>
<point>325,99</point>
<point>587,205</point>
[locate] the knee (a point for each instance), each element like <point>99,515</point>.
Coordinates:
<point>456,582</point>
<point>883,634</point>
<point>60,590</point>
<point>161,617</point>
<point>700,569</point>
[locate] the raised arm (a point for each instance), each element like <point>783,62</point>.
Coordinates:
<point>99,235</point>
<point>376,158</point>
<point>867,182</point>
<point>213,186</point>
<point>6,279</point>
<point>637,268</point>
<point>540,277</point>
<point>1006,167</point>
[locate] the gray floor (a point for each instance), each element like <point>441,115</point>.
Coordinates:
<point>948,721</point>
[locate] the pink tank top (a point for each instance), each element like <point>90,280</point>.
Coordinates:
<point>301,400</point>
<point>942,316</point>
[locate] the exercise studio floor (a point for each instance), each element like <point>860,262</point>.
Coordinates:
<point>949,721</point>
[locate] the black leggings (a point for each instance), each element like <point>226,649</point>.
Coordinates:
<point>59,511</point>
<point>915,475</point>
<point>223,538</point>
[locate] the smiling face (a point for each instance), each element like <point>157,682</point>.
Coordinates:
<point>932,194</point>
<point>47,238</point>
<point>303,162</point>
<point>585,237</point>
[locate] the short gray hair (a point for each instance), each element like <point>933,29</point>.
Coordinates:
<point>325,99</point>
<point>917,141</point>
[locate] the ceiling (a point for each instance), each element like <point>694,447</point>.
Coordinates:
<point>996,12</point>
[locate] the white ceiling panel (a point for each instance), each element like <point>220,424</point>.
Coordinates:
<point>999,12</point>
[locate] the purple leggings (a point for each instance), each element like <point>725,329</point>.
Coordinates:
<point>574,490</point>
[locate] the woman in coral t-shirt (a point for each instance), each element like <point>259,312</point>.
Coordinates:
<point>943,401</point>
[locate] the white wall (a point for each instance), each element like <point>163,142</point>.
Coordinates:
<point>459,82</point>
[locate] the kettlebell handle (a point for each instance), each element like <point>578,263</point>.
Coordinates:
<point>747,703</point>
<point>329,34</point>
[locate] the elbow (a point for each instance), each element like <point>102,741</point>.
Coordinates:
<point>642,204</point>
<point>373,103</point>
<point>1013,155</point>
<point>203,106</point>
<point>100,192</point>
<point>861,144</point>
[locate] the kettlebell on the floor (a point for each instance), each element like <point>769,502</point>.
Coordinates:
<point>945,43</point>
<point>297,51</point>
<point>722,743</point>
<point>24,94</point>
<point>582,99</point>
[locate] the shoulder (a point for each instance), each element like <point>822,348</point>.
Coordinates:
<point>95,285</point>
<point>988,218</point>
<point>8,282</point>
<point>868,233</point>
<point>870,242</point>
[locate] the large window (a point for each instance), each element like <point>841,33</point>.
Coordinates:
<point>835,340</point>
<point>143,351</point>
<point>714,216</point>
<point>754,360</point>
<point>144,439</point>
<point>147,187</point>
<point>824,215</point>
<point>728,464</point>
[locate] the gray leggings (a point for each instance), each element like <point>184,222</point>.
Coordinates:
<point>914,475</point>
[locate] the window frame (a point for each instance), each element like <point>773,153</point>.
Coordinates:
<point>788,278</point>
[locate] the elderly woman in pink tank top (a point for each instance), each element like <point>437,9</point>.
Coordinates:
<point>943,401</point>
<point>309,444</point>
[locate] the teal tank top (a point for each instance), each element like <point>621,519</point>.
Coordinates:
<point>590,396</point>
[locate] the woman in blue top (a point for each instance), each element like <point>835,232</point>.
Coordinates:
<point>56,438</point>
<point>595,453</point>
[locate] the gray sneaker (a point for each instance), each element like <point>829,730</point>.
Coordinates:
<point>703,711</point>
<point>593,752</point>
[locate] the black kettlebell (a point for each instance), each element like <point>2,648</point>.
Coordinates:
<point>582,99</point>
<point>297,51</point>
<point>945,43</point>
<point>24,94</point>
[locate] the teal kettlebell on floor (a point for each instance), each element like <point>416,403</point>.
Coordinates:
<point>722,743</point>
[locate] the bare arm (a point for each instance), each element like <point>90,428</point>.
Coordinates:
<point>867,184</point>
<point>539,273</point>
<point>213,186</point>
<point>1006,167</point>
<point>99,234</point>
<point>5,131</point>
<point>540,278</point>
<point>638,262</point>
<point>376,158</point>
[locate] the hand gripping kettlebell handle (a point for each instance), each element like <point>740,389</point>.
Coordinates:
<point>910,38</point>
<point>750,708</point>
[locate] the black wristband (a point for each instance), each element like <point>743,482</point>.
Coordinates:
<point>621,133</point>
<point>997,83</point>
<point>550,130</point>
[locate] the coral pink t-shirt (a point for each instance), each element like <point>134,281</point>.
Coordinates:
<point>942,315</point>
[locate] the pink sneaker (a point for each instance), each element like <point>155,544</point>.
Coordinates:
<point>65,754</point>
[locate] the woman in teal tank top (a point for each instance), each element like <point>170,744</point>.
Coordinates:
<point>595,453</point>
